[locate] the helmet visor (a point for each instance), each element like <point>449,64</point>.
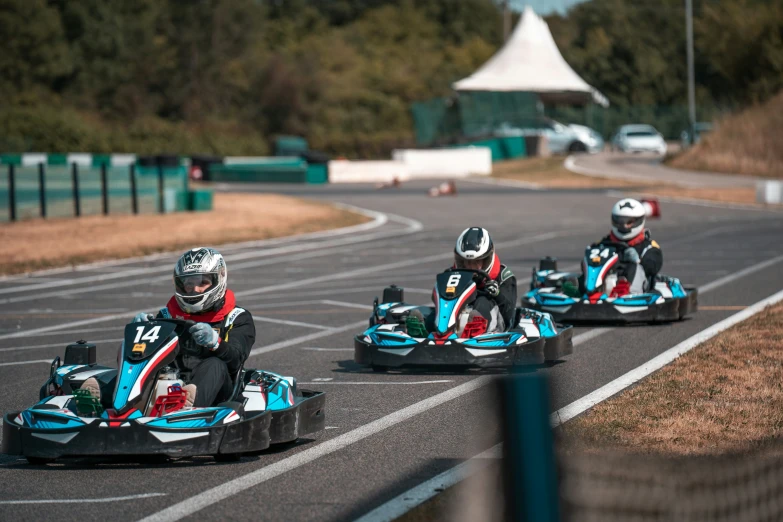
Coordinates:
<point>192,285</point>
<point>472,264</point>
<point>626,223</point>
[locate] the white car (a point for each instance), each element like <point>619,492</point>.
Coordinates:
<point>561,139</point>
<point>639,138</point>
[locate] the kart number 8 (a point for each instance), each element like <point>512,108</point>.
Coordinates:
<point>151,336</point>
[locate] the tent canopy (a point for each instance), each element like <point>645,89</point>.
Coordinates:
<point>531,62</point>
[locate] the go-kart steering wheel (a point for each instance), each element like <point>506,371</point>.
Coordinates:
<point>480,273</point>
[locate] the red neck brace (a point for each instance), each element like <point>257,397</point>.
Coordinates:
<point>631,242</point>
<point>213,316</point>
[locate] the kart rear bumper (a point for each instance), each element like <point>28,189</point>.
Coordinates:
<point>454,354</point>
<point>103,437</point>
<point>673,309</point>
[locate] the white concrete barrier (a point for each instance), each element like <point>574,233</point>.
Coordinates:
<point>446,163</point>
<point>384,171</point>
<point>769,191</point>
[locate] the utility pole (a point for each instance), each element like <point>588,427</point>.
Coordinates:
<point>691,73</point>
<point>506,20</point>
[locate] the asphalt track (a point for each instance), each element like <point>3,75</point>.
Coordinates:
<point>385,432</point>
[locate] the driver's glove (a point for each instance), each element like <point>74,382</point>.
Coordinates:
<point>204,335</point>
<point>143,317</point>
<point>631,255</point>
<point>492,288</point>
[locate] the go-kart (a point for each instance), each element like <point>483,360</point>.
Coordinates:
<point>588,297</point>
<point>146,413</point>
<point>397,337</point>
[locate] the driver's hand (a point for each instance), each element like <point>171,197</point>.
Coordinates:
<point>492,288</point>
<point>631,255</point>
<point>204,335</point>
<point>143,317</point>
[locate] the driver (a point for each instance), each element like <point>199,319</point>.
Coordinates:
<point>474,251</point>
<point>642,259</point>
<point>219,342</point>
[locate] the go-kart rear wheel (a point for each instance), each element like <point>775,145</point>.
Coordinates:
<point>228,457</point>
<point>379,368</point>
<point>39,461</point>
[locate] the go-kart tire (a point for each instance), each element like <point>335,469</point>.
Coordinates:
<point>228,457</point>
<point>39,461</point>
<point>380,369</point>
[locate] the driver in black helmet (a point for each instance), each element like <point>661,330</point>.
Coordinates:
<point>497,294</point>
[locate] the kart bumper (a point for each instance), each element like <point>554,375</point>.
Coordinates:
<point>306,416</point>
<point>104,437</point>
<point>673,309</point>
<point>455,354</point>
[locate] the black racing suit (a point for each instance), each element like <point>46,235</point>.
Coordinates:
<point>213,371</point>
<point>650,258</point>
<point>506,300</point>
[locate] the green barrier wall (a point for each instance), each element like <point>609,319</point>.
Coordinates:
<point>271,170</point>
<point>59,190</point>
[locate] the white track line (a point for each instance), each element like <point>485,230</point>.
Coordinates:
<point>403,503</point>
<point>48,361</point>
<point>53,345</point>
<point>377,383</point>
<point>345,304</point>
<point>413,227</point>
<point>71,324</point>
<point>290,323</point>
<point>304,338</point>
<point>228,489</point>
<point>378,219</point>
<point>588,401</point>
<point>82,500</point>
<point>328,349</point>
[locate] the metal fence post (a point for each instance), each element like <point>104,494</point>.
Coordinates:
<point>161,203</point>
<point>77,209</point>
<point>42,188</point>
<point>12,192</point>
<point>104,190</point>
<point>529,460</point>
<point>134,196</point>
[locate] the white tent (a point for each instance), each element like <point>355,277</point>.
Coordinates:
<point>531,62</point>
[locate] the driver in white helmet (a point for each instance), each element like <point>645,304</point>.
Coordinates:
<point>219,342</point>
<point>474,250</point>
<point>642,258</point>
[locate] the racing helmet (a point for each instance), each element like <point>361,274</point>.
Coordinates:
<point>628,219</point>
<point>195,269</point>
<point>474,250</point>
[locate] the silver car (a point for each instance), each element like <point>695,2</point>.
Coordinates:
<point>561,139</point>
<point>639,138</point>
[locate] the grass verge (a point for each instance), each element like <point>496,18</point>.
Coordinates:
<point>550,173</point>
<point>49,243</point>
<point>725,395</point>
<point>744,143</point>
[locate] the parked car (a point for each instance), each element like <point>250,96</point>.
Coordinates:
<point>699,128</point>
<point>638,138</point>
<point>561,138</point>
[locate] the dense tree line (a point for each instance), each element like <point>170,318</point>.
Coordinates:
<point>204,76</point>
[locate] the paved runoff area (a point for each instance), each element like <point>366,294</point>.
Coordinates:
<point>386,433</point>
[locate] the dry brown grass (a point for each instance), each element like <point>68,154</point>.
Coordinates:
<point>725,395</point>
<point>745,195</point>
<point>744,143</point>
<point>550,173</point>
<point>236,217</point>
